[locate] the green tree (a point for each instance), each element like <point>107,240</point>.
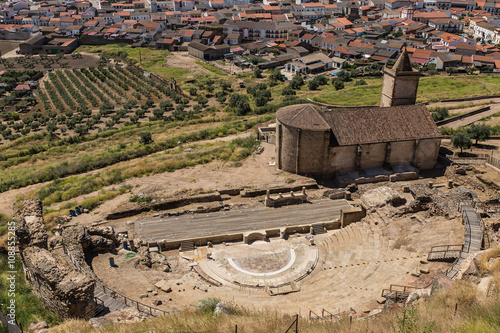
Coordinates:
<point>81,129</point>
<point>52,126</point>
<point>257,73</point>
<point>313,85</point>
<point>461,140</point>
<point>479,132</point>
<point>243,107</point>
<point>134,119</point>
<point>297,81</point>
<point>225,85</point>
<point>275,75</point>
<point>166,104</point>
<point>240,104</point>
<point>180,107</point>
<point>344,76</point>
<point>110,124</point>
<point>338,84</point>
<point>146,138</point>
<point>288,91</point>
<point>202,100</point>
<point>197,107</point>
<point>439,113</point>
<point>193,91</point>
<point>158,113</point>
<point>322,79</point>
<point>451,70</point>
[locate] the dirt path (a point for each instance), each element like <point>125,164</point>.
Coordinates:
<point>255,171</point>
<point>8,198</point>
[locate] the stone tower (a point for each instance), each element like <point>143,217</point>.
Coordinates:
<point>400,83</point>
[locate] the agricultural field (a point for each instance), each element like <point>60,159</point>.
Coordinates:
<point>88,100</point>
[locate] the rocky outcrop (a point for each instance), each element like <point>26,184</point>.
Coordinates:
<point>64,290</point>
<point>90,240</point>
<point>381,196</point>
<point>437,202</point>
<point>122,316</point>
<point>30,228</point>
<point>145,256</point>
<point>79,240</point>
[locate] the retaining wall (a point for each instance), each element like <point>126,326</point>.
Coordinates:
<point>470,98</point>
<point>462,116</point>
<point>164,205</point>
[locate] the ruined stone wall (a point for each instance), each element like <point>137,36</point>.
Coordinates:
<point>30,227</point>
<point>78,240</point>
<point>64,290</point>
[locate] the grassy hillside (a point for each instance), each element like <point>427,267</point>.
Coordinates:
<point>28,307</point>
<point>430,89</point>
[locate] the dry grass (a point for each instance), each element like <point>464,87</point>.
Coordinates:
<point>256,322</point>
<point>484,261</point>
<point>400,242</point>
<point>436,314</point>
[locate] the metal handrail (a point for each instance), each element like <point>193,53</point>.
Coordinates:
<point>152,310</point>
<point>448,248</point>
<point>330,315</point>
<point>311,313</point>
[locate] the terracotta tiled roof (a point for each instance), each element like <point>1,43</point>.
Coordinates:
<point>304,116</point>
<point>363,125</point>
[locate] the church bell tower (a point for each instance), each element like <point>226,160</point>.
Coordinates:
<point>400,83</point>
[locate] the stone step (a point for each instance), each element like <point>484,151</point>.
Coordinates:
<point>187,245</point>
<point>318,229</point>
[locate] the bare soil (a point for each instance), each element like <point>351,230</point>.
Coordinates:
<point>255,172</point>
<point>183,60</point>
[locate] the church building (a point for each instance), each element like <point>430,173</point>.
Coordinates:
<point>325,143</point>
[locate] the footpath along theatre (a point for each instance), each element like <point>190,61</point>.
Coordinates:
<point>325,143</point>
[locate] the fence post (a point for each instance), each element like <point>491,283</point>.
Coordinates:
<point>404,317</point>
<point>296,323</point>
<point>235,328</point>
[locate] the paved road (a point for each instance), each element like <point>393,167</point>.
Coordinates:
<point>235,221</point>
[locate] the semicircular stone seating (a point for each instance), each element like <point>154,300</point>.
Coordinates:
<point>348,268</point>
<point>283,267</point>
<point>356,263</point>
